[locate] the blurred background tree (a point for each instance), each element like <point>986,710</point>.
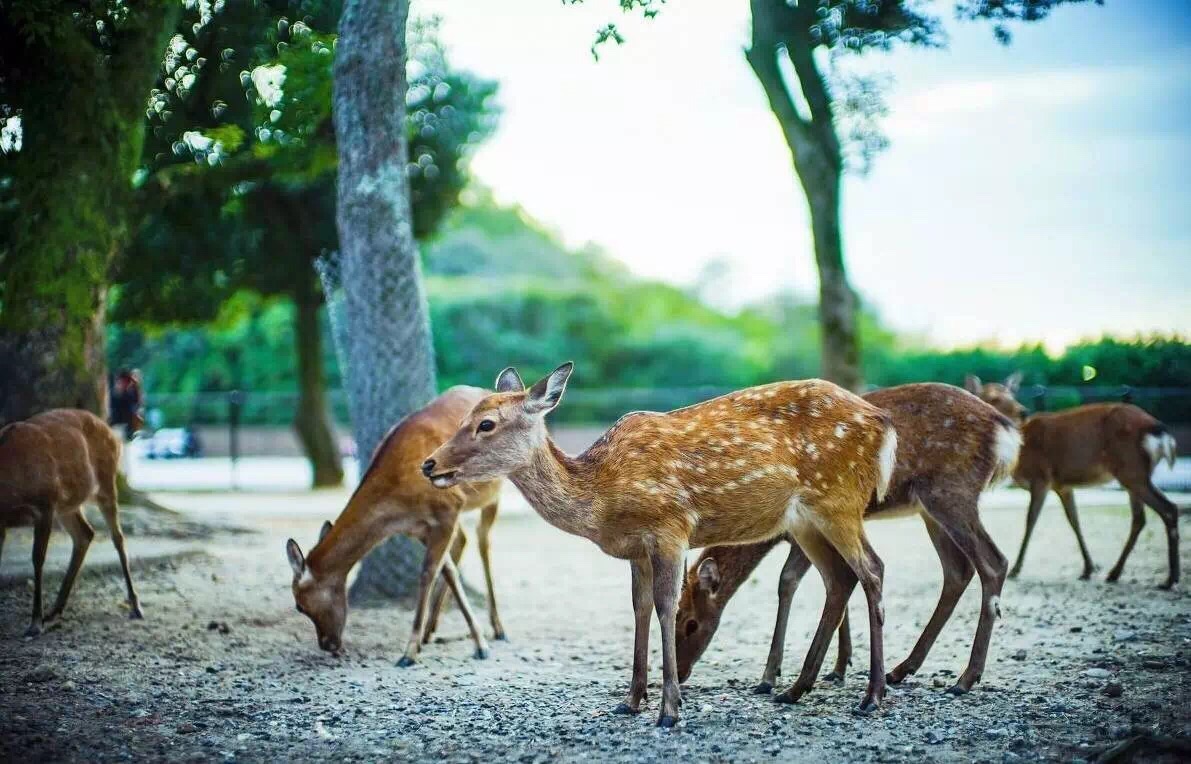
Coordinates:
<point>830,117</point>
<point>74,76</point>
<point>239,174</point>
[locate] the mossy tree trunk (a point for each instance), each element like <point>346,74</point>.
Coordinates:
<point>390,358</point>
<point>82,113</point>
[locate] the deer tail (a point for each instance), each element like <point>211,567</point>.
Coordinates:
<point>1006,447</point>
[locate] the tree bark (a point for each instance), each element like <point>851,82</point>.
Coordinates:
<point>818,161</point>
<point>390,358</point>
<point>311,420</point>
<point>72,181</point>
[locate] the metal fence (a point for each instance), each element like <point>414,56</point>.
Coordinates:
<point>1170,404</point>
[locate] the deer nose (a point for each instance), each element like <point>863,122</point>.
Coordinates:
<point>427,467</point>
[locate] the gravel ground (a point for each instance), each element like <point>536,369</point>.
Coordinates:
<point>223,668</point>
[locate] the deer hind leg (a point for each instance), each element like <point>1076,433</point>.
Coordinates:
<point>483,535</point>
<point>42,527</point>
<point>1170,518</point>
<point>838,580</point>
<point>970,535</point>
<point>957,574</point>
<point>438,597</point>
<point>81,534</point>
<point>452,576</point>
<point>642,571</point>
<point>438,541</point>
<point>843,651</point>
<point>111,516</point>
<point>667,584</point>
<point>797,564</point>
<point>1138,522</point>
<point>1067,497</point>
<point>1037,497</point>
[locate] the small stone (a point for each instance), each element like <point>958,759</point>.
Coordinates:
<point>1097,673</point>
<point>1113,690</point>
<point>186,728</point>
<point>1020,655</point>
<point>935,736</point>
<point>69,685</point>
<point>1124,635</point>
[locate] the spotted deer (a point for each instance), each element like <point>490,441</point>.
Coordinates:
<point>50,464</point>
<point>393,497</point>
<point>1089,445</point>
<point>951,446</point>
<point>791,457</point>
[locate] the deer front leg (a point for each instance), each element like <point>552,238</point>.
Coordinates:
<point>452,576</point>
<point>81,534</point>
<point>667,583</point>
<point>797,564</point>
<point>439,595</point>
<point>44,524</point>
<point>642,572</point>
<point>437,543</point>
<point>1037,496</point>
<point>487,518</point>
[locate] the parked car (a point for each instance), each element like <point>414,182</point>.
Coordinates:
<point>171,443</point>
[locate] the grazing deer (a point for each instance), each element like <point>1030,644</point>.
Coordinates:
<point>1089,445</point>
<point>49,465</point>
<point>951,446</point>
<point>392,498</point>
<point>790,457</point>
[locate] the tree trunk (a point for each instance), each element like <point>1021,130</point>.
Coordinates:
<point>311,420</point>
<point>390,358</point>
<point>778,28</point>
<point>72,181</point>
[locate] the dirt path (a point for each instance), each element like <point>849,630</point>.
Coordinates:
<point>103,688</point>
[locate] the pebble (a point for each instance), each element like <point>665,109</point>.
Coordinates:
<point>1097,673</point>
<point>935,736</point>
<point>1113,690</point>
<point>1124,635</point>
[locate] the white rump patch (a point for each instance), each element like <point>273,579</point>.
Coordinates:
<point>1159,447</point>
<point>886,461</point>
<point>1006,450</point>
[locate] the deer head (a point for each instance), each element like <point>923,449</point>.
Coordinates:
<point>321,599</point>
<point>1001,396</point>
<point>501,433</point>
<point>698,616</point>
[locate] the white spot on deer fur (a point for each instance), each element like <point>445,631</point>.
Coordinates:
<point>740,462</point>
<point>763,446</point>
<point>770,393</point>
<point>811,449</point>
<point>948,422</point>
<point>729,485</point>
<point>858,418</point>
<point>841,430</point>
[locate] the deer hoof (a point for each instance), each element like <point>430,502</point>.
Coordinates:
<point>834,677</point>
<point>957,689</point>
<point>789,696</point>
<point>666,720</point>
<point>136,614</point>
<point>624,709</point>
<point>482,653</point>
<point>1112,577</point>
<point>1167,585</point>
<point>1015,573</point>
<point>406,662</point>
<point>500,636</point>
<point>867,707</point>
<point>763,689</point>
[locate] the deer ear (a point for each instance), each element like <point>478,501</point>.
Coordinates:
<point>322,533</point>
<point>973,384</point>
<point>509,381</point>
<point>547,392</point>
<point>1013,381</point>
<point>709,575</point>
<point>296,560</point>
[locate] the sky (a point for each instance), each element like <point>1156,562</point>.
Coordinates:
<point>1034,192</point>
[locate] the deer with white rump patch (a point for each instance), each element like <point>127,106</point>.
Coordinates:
<point>394,498</point>
<point>49,465</point>
<point>1089,445</point>
<point>791,457</point>
<point>951,447</point>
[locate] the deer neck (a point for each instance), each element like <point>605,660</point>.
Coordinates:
<point>559,489</point>
<point>361,526</point>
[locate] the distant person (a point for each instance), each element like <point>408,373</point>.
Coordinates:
<point>125,401</point>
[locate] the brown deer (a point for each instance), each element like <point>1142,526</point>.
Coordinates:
<point>951,446</point>
<point>50,464</point>
<point>1089,445</point>
<point>790,457</point>
<point>392,498</point>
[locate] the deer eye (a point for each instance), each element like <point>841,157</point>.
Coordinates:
<point>486,425</point>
